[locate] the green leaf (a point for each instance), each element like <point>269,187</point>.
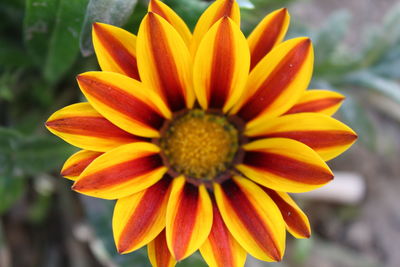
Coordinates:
<point>7,80</point>
<point>381,39</point>
<point>38,154</point>
<point>11,189</point>
<point>9,139</point>
<point>369,80</point>
<point>38,26</point>
<point>31,154</point>
<point>138,14</point>
<point>115,12</point>
<point>389,65</point>
<point>330,36</point>
<point>51,33</point>
<point>64,42</point>
<point>12,54</point>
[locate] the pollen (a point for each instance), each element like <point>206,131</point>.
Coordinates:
<point>200,144</point>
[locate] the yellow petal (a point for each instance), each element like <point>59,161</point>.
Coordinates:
<point>296,221</point>
<point>216,11</point>
<point>221,249</point>
<point>169,15</point>
<point>164,62</point>
<point>189,218</point>
<point>277,82</point>
<point>158,252</point>
<point>78,162</point>
<point>268,33</point>
<point>125,102</point>
<point>121,172</point>
<point>221,66</point>
<point>284,165</point>
<point>321,101</point>
<point>82,126</point>
<point>139,218</point>
<point>327,136</point>
<point>115,49</point>
<point>252,218</point>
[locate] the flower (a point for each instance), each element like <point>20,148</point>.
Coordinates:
<point>200,136</point>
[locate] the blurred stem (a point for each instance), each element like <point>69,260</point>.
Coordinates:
<point>70,212</point>
<point>5,260</point>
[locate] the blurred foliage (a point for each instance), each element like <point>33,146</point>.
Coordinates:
<point>359,74</point>
<point>45,43</point>
<point>115,12</point>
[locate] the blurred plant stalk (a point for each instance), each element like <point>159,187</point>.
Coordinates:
<point>4,252</point>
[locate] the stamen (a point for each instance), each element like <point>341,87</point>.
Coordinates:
<point>199,144</point>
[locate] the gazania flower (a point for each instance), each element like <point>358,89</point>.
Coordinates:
<point>200,136</point>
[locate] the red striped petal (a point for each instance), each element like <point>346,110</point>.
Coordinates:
<point>276,83</point>
<point>296,221</point>
<point>164,62</point>
<point>82,126</point>
<point>115,49</point>
<point>288,167</point>
<point>169,15</point>
<point>78,162</point>
<point>221,66</point>
<point>221,249</point>
<point>158,252</point>
<point>327,136</point>
<point>325,102</point>
<point>269,32</point>
<point>122,172</point>
<point>319,139</point>
<point>252,218</point>
<point>284,165</point>
<point>124,102</point>
<point>189,218</point>
<point>119,173</point>
<point>216,11</point>
<point>139,218</point>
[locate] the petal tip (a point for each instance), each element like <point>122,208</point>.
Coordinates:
<point>152,3</point>
<point>121,251</point>
<point>76,187</point>
<point>305,234</point>
<point>96,25</point>
<point>79,77</point>
<point>64,173</point>
<point>48,124</point>
<point>151,14</point>
<point>306,41</point>
<point>284,11</point>
<point>83,78</point>
<point>151,17</point>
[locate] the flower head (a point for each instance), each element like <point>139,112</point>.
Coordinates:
<point>200,136</point>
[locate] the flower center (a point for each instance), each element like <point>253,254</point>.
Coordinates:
<point>200,144</point>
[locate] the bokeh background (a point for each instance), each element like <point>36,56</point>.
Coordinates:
<point>44,44</point>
